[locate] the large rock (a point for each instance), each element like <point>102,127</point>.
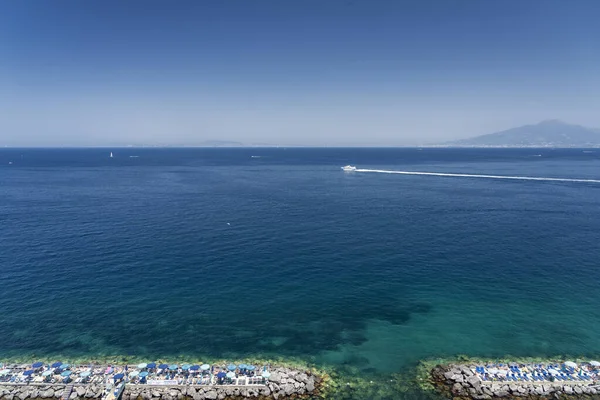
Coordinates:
<point>22,394</point>
<point>458,378</point>
<point>449,374</point>
<point>457,388</point>
<point>211,395</point>
<point>568,389</point>
<point>275,377</point>
<point>289,389</point>
<point>80,390</point>
<point>46,394</point>
<point>310,384</point>
<point>475,383</point>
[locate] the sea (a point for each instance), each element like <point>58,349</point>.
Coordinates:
<point>277,254</point>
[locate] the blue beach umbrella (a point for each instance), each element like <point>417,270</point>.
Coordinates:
<point>5,372</point>
<point>231,367</point>
<point>142,365</point>
<point>28,373</point>
<point>163,366</point>
<point>64,366</point>
<point>133,374</point>
<point>85,373</point>
<point>66,373</point>
<point>185,367</point>
<point>194,367</point>
<point>242,366</point>
<point>37,364</point>
<point>231,374</point>
<point>118,376</point>
<point>143,374</point>
<point>151,365</point>
<point>173,367</point>
<point>205,367</point>
<point>266,374</point>
<point>56,364</point>
<point>250,367</point>
<point>221,374</point>
<point>47,373</point>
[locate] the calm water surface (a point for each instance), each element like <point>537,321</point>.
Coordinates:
<point>216,253</point>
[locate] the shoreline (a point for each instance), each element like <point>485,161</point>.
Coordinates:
<point>471,379</point>
<point>157,381</point>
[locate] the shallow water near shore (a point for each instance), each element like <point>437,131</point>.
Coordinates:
<point>213,253</point>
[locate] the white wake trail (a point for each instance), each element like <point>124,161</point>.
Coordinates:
<point>520,178</point>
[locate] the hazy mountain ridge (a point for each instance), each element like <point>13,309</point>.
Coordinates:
<point>550,133</point>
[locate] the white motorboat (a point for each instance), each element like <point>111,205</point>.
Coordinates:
<point>348,168</point>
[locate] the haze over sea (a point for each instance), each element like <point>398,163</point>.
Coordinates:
<point>237,253</point>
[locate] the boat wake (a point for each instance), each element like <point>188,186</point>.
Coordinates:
<point>519,178</point>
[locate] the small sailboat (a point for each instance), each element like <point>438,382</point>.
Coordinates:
<point>111,155</point>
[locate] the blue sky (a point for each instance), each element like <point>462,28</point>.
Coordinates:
<point>307,72</point>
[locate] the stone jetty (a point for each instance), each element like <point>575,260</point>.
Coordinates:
<point>283,383</point>
<point>461,381</point>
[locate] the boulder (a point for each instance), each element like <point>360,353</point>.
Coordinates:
<point>448,375</point>
<point>475,383</point>
<point>89,393</point>
<point>265,391</point>
<point>80,391</point>
<point>458,378</point>
<point>302,377</point>
<point>289,388</point>
<point>578,390</point>
<point>502,393</point>
<point>568,389</point>
<point>211,395</point>
<point>457,388</point>
<point>310,385</point>
<point>155,393</point>
<point>47,393</point>
<point>275,377</point>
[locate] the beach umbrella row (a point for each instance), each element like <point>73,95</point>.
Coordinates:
<point>36,365</point>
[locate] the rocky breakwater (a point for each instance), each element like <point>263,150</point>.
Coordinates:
<point>460,382</point>
<point>48,391</point>
<point>284,383</point>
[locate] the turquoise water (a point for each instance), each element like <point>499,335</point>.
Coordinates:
<point>215,253</point>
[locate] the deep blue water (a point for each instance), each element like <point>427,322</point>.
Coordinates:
<point>215,253</point>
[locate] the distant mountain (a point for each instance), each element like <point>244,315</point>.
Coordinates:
<point>221,143</point>
<point>551,133</point>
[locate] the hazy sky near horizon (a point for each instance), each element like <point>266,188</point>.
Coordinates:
<point>309,72</point>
